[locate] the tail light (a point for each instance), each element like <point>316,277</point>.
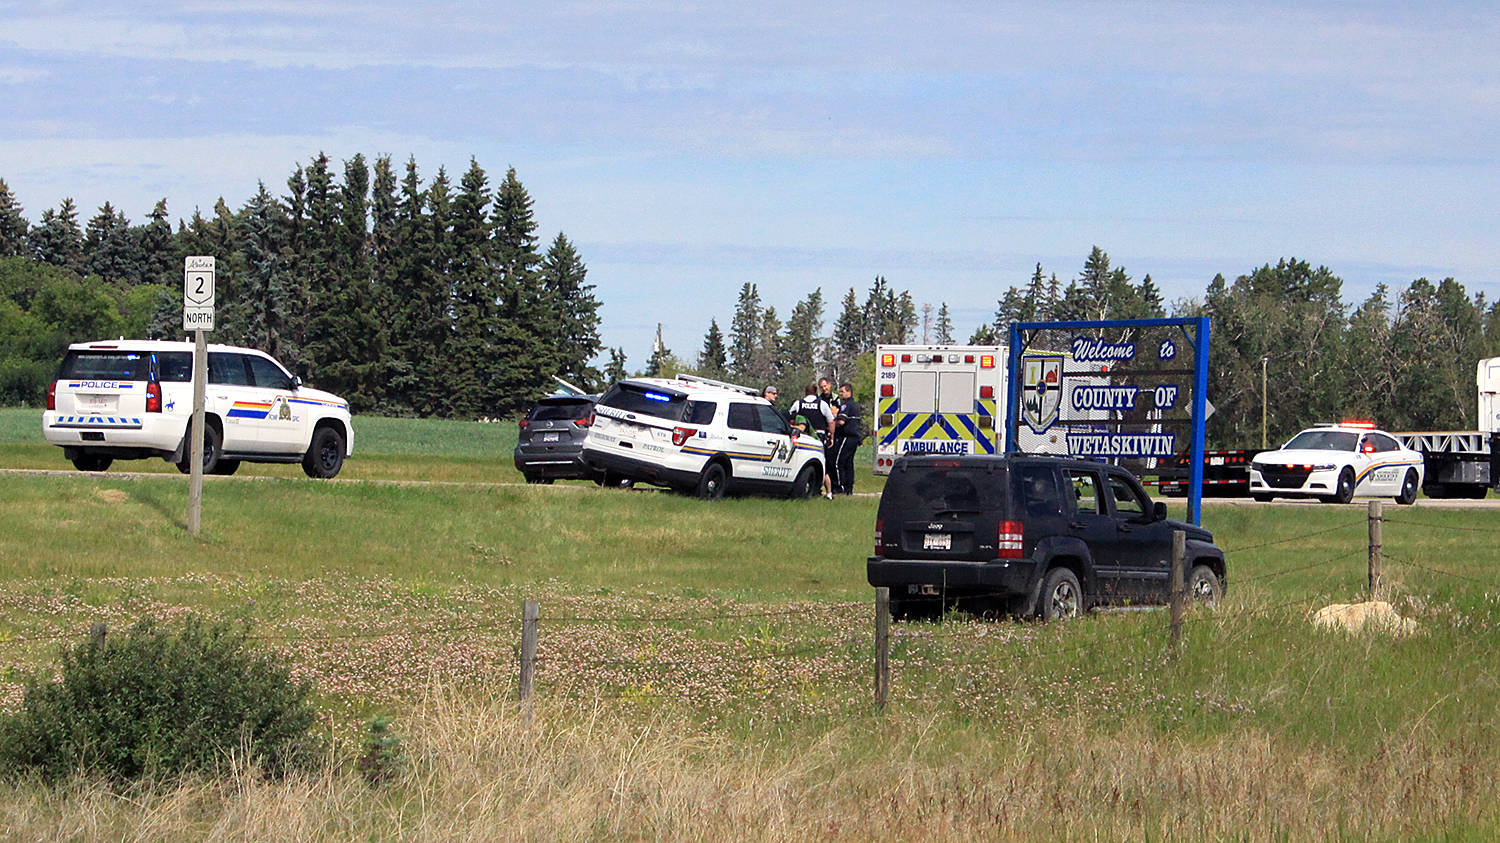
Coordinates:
<point>1008,543</point>
<point>681,435</point>
<point>52,395</point>
<point>586,421</point>
<point>524,423</point>
<point>879,535</point>
<point>887,360</point>
<point>153,397</point>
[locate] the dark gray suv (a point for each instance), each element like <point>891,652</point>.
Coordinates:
<point>1028,535</point>
<point>550,443</point>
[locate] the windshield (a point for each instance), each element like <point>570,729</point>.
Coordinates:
<point>633,398</point>
<point>1324,440</point>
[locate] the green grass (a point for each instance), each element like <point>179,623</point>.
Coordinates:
<point>752,616</point>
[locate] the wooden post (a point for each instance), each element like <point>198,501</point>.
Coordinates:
<point>1376,521</point>
<point>882,647</point>
<point>97,633</point>
<point>1178,591</point>
<point>530,610</point>
<point>195,432</point>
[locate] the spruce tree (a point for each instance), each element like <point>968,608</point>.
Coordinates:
<point>616,371</point>
<point>801,345</point>
<point>522,355</point>
<point>744,331</point>
<point>12,224</point>
<point>714,359</point>
<point>109,250</point>
<point>943,329</point>
<point>571,298</point>
<point>476,287</point>
<point>58,240</point>
<point>161,261</point>
<point>848,338</point>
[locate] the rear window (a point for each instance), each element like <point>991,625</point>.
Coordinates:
<point>633,398</point>
<point>926,489</point>
<point>560,410</point>
<point>120,365</point>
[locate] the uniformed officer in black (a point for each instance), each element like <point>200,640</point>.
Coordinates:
<point>849,431</point>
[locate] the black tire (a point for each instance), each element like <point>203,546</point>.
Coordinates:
<point>92,462</point>
<point>808,481</point>
<point>227,467</point>
<point>1062,596</point>
<point>713,482</point>
<point>213,448</point>
<point>1437,491</point>
<point>1408,494</point>
<point>325,454</point>
<point>611,480</point>
<point>538,481</point>
<point>1262,498</point>
<point>1203,587</point>
<point>1344,491</point>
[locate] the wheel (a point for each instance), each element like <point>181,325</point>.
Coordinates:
<point>227,467</point>
<point>325,454</point>
<point>1203,586</point>
<point>1344,491</point>
<point>1262,498</point>
<point>538,481</point>
<point>1437,491</point>
<point>808,481</point>
<point>611,480</point>
<point>213,446</point>
<point>1062,596</point>
<point>92,462</point>
<point>1408,494</point>
<point>713,482</point>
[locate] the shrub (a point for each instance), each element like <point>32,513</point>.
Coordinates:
<point>383,757</point>
<point>162,702</point>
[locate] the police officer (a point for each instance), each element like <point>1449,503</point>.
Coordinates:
<point>819,416</point>
<point>849,431</point>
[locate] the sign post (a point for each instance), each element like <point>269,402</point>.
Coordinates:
<point>198,317</point>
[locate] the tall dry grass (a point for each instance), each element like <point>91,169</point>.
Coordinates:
<point>479,771</point>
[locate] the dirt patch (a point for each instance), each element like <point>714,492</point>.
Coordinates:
<point>1372,616</point>
<point>111,496</point>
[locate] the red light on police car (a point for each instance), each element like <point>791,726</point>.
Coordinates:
<point>681,435</point>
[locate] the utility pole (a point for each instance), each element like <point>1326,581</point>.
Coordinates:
<point>1263,402</point>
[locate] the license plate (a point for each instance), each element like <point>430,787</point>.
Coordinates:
<point>937,541</point>
<point>1215,460</point>
<point>549,437</point>
<point>97,402</point>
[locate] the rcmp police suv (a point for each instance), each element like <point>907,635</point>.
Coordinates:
<point>134,399</point>
<point>700,436</point>
<point>1335,462</point>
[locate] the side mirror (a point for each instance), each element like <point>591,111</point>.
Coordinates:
<point>296,382</point>
<point>1158,511</point>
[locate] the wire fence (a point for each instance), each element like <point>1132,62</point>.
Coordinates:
<point>747,653</point>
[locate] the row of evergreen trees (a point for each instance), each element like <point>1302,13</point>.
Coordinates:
<point>404,297</point>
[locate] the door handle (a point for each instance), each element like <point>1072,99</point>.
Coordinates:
<point>1077,525</point>
<point>1125,528</point>
<point>734,438</point>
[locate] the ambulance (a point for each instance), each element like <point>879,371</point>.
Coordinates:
<point>938,399</point>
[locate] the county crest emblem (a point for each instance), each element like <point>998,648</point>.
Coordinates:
<point>1041,398</point>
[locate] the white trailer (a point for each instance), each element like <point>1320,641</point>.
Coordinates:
<point>1464,463</point>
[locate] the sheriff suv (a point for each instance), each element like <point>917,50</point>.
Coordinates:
<point>1028,535</point>
<point>699,436</point>
<point>133,399</point>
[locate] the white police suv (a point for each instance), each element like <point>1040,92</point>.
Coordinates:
<point>700,436</point>
<point>1335,462</point>
<point>133,399</point>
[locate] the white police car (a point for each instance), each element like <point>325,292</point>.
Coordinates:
<point>1335,462</point>
<point>700,436</point>
<point>133,399</point>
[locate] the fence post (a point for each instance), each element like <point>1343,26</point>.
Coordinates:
<point>97,632</point>
<point>1177,593</point>
<point>530,610</point>
<point>1377,519</point>
<point>882,647</point>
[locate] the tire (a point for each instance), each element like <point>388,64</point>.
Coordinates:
<point>713,482</point>
<point>1263,498</point>
<point>92,462</point>
<point>1203,587</point>
<point>538,481</point>
<point>611,480</point>
<point>1344,492</point>
<point>1408,494</point>
<point>227,467</point>
<point>213,447</point>
<point>808,480</point>
<point>1062,596</point>
<point>325,454</point>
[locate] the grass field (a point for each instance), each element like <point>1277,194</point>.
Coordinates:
<point>706,668</point>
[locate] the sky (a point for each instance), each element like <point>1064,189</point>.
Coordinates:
<point>687,148</point>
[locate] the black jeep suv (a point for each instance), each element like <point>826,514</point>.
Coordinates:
<point>1028,535</point>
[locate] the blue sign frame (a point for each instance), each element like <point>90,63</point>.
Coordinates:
<point>1195,330</point>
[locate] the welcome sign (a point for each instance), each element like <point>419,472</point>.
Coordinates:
<point>1129,392</point>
